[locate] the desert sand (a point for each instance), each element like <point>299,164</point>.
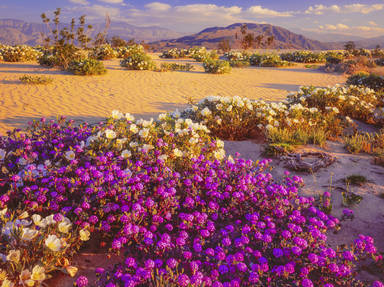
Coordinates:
<point>143,93</point>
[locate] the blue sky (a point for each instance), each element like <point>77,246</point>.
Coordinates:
<point>357,18</point>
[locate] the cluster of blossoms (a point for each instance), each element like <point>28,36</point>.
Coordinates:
<point>123,52</point>
<point>175,53</point>
<point>137,60</point>
<point>103,52</point>
<point>304,57</point>
<point>328,109</point>
<point>216,66</point>
<point>237,56</point>
<point>231,224</point>
<point>267,60</point>
<point>201,54</point>
<point>20,53</point>
<point>33,246</point>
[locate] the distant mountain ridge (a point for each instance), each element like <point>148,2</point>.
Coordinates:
<point>210,38</point>
<point>20,32</point>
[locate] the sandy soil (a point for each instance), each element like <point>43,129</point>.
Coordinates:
<point>144,93</point>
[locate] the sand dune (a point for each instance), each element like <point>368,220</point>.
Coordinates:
<point>144,93</point>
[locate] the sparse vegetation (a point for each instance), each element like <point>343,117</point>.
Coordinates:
<point>36,80</point>
<point>87,67</point>
<point>216,66</point>
<point>355,179</point>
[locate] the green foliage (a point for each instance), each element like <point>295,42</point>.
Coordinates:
<point>271,60</point>
<point>87,67</point>
<point>355,179</point>
<point>19,53</point>
<point>128,51</point>
<point>216,66</point>
<point>103,52</point>
<point>368,80</point>
<point>278,149</point>
<point>239,63</point>
<point>36,80</point>
<point>165,67</point>
<point>175,53</point>
<point>138,61</point>
<point>303,57</point>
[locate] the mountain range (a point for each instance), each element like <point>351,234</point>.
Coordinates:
<point>20,32</point>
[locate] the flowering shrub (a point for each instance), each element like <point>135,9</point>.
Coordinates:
<point>124,52</point>
<point>304,57</point>
<point>104,52</point>
<point>87,67</point>
<point>138,61</point>
<point>175,53</point>
<point>36,80</point>
<point>231,224</point>
<point>20,53</point>
<point>216,66</point>
<point>200,54</point>
<point>33,246</point>
<point>372,81</point>
<point>351,101</point>
<point>271,60</point>
<point>239,63</point>
<point>236,56</point>
<point>165,67</point>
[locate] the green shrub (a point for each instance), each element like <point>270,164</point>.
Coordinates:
<point>271,60</point>
<point>303,57</point>
<point>216,66</point>
<point>20,53</point>
<point>138,61</point>
<point>355,179</point>
<point>36,80</point>
<point>165,67</point>
<point>334,59</point>
<point>87,67</point>
<point>128,51</point>
<point>372,81</point>
<point>104,52</point>
<point>48,60</point>
<point>175,53</point>
<point>239,63</point>
<point>236,56</point>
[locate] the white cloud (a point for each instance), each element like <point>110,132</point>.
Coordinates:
<point>260,11</point>
<point>321,9</point>
<point>337,27</point>
<point>372,23</point>
<point>81,2</point>
<point>112,1</point>
<point>157,6</point>
<point>363,8</point>
<point>208,9</point>
<point>351,8</point>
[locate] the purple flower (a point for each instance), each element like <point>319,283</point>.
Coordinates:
<point>82,281</point>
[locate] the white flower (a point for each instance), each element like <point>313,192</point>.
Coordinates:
<point>53,243</point>
<point>205,112</point>
<point>147,147</point>
<point>117,115</point>
<point>177,152</point>
<point>22,161</point>
<point>133,128</point>
<point>70,155</point>
<point>126,154</point>
<point>162,117</point>
<point>84,235</point>
<point>90,140</point>
<point>220,143</point>
<point>129,117</point>
<point>268,127</point>
<point>195,108</point>
<point>219,154</point>
<point>110,134</point>
<point>229,109</point>
<point>28,234</point>
<point>37,220</point>
<point>336,110</point>
<point>144,133</point>
<point>64,226</point>
<point>163,157</point>
<point>176,114</point>
<point>2,154</point>
<point>133,144</point>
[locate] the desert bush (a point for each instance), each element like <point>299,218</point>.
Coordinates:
<point>175,53</point>
<point>351,101</point>
<point>372,81</point>
<point>239,63</point>
<point>87,67</point>
<point>236,56</point>
<point>128,51</point>
<point>303,57</point>
<point>200,54</point>
<point>138,61</point>
<point>20,53</point>
<point>349,66</point>
<point>216,66</point>
<point>372,143</point>
<point>270,60</point>
<point>165,67</point>
<point>103,52</point>
<point>32,247</point>
<point>35,80</point>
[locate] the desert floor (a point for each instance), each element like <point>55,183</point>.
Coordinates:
<point>143,93</point>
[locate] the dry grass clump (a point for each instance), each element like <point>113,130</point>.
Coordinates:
<point>36,80</point>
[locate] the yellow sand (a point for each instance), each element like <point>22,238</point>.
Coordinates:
<point>143,93</point>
